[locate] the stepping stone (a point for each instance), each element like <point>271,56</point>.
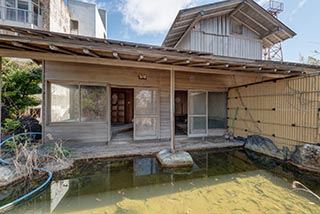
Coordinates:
<point>174,160</point>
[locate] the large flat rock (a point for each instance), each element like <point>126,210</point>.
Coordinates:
<point>307,156</point>
<point>174,160</point>
<point>264,146</point>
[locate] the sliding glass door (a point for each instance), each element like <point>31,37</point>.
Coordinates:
<point>197,113</point>
<point>146,114</point>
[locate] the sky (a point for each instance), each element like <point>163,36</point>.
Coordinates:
<point>148,21</point>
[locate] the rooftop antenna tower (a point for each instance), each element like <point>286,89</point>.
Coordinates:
<point>274,52</point>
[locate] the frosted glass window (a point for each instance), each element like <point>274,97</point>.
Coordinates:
<point>197,103</point>
<point>93,103</point>
<point>198,125</point>
<point>146,102</point>
<point>145,127</point>
<point>64,103</point>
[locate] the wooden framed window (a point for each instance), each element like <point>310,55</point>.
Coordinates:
<point>77,103</point>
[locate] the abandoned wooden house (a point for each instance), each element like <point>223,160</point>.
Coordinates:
<point>207,77</point>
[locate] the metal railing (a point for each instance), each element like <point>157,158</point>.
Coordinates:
<point>19,15</point>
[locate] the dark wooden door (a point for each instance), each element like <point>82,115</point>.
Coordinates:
<point>121,106</point>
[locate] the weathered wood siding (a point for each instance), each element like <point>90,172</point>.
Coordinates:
<point>214,36</point>
<point>286,111</point>
<point>115,76</point>
<point>212,82</point>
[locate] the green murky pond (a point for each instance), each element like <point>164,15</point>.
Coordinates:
<point>219,182</point>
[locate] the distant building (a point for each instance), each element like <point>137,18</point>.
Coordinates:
<point>234,28</point>
<point>87,19</point>
<point>72,16</point>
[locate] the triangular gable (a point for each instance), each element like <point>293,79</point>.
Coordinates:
<point>246,12</point>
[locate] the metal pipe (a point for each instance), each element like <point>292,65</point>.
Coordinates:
<point>39,188</point>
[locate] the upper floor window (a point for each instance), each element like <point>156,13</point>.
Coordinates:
<point>18,4</point>
<point>23,5</point>
<point>236,28</point>
<point>74,26</point>
<point>11,3</point>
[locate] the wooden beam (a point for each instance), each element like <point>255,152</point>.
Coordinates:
<point>128,63</point>
<point>20,45</point>
<point>171,36</point>
<point>172,113</point>
<point>220,66</point>
<point>140,58</point>
<point>236,67</point>
<point>162,60</point>
<point>218,6</point>
<point>209,16</point>
<point>182,28</point>
<point>289,35</point>
<point>195,21</point>
<point>157,53</point>
<point>254,69</point>
<point>266,15</point>
<point>253,20</point>
<point>184,62</point>
<point>61,50</point>
<point>202,64</point>
<point>116,55</point>
<point>277,37</point>
<point>269,33</point>
<point>238,8</point>
<point>244,24</point>
<point>183,22</point>
<point>268,41</point>
<point>90,53</point>
<point>10,47</point>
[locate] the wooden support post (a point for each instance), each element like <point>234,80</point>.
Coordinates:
<point>172,108</point>
<point>0,99</point>
<point>44,99</point>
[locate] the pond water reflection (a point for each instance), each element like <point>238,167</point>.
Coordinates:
<point>226,181</point>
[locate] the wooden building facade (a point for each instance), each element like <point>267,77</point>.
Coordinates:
<point>173,92</point>
<point>95,90</point>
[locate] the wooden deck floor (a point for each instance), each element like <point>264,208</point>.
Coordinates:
<point>125,149</point>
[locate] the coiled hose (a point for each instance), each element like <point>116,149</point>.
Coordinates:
<point>29,194</point>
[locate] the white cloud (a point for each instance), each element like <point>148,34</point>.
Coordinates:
<point>155,16</point>
<point>152,16</point>
<point>89,1</point>
<point>299,6</point>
